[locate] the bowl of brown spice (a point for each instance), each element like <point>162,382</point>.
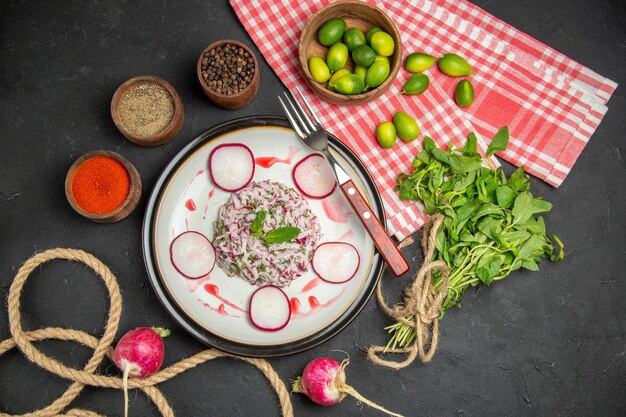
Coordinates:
<point>228,72</point>
<point>147,110</point>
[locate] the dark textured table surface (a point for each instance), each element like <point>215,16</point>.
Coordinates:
<point>550,343</point>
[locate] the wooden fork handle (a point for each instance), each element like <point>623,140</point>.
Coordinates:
<point>388,250</point>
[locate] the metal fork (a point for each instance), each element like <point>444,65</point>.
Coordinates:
<point>313,135</point>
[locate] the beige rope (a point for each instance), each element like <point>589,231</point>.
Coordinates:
<point>102,347</point>
<point>420,301</point>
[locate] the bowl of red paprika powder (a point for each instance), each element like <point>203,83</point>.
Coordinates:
<point>103,186</point>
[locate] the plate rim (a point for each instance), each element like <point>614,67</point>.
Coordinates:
<point>186,322</point>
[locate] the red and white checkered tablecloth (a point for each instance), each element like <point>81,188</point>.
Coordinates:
<point>551,104</point>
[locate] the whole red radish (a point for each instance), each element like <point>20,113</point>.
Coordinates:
<point>324,382</point>
<point>139,354</point>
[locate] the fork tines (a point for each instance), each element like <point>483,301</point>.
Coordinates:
<point>298,117</point>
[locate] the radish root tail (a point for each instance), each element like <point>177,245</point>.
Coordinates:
<point>351,391</point>
<point>127,367</point>
<point>346,389</point>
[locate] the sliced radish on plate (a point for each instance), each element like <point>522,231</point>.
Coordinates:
<point>336,262</point>
<point>314,177</point>
<point>269,308</point>
<point>231,166</point>
<point>192,255</point>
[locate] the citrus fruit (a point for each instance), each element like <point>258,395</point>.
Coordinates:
<point>376,74</point>
<point>350,84</point>
<point>363,55</point>
<point>464,93</point>
<point>319,70</point>
<point>370,33</point>
<point>406,126</point>
<point>418,62</point>
<point>454,65</point>
<point>331,31</point>
<point>386,134</point>
<point>336,76</point>
<point>416,84</point>
<point>382,58</point>
<point>353,38</point>
<point>382,43</point>
<point>337,56</point>
<point>360,71</point>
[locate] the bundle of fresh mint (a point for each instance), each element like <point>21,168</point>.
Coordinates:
<point>490,225</point>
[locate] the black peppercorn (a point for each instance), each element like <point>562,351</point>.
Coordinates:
<point>227,69</point>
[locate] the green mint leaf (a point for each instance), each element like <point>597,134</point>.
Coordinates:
<point>428,144</point>
<point>530,264</point>
<point>488,209</point>
<point>460,164</point>
<point>281,235</point>
<point>489,269</point>
<point>556,251</point>
<point>499,141</point>
<point>540,206</point>
<point>441,155</point>
<point>516,237</point>
<point>534,226</point>
<point>522,207</point>
<point>532,248</point>
<point>505,196</point>
<point>518,180</point>
<point>257,224</point>
<point>471,146</point>
<point>465,182</point>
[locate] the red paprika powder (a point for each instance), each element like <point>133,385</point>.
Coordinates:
<point>100,185</point>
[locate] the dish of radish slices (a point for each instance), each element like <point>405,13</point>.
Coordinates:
<point>250,245</point>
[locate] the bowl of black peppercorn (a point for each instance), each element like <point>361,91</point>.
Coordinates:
<point>228,72</point>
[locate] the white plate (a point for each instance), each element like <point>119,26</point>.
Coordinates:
<point>214,308</point>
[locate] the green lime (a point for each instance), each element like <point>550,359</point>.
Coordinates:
<point>464,93</point>
<point>337,56</point>
<point>382,58</point>
<point>386,134</point>
<point>319,70</point>
<point>331,31</point>
<point>360,71</point>
<point>376,74</point>
<point>363,55</point>
<point>350,84</point>
<point>382,43</point>
<point>454,66</point>
<point>406,126</point>
<point>336,76</point>
<point>353,38</point>
<point>370,33</point>
<point>416,84</point>
<point>418,62</point>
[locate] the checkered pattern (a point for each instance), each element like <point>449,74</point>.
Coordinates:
<point>551,103</point>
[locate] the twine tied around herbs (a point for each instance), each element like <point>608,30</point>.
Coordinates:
<point>421,301</point>
<point>23,340</point>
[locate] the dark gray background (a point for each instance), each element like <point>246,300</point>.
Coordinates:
<point>536,344</point>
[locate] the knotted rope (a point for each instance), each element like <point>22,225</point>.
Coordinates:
<point>421,301</point>
<point>102,347</point>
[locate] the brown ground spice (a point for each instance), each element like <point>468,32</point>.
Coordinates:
<point>146,109</point>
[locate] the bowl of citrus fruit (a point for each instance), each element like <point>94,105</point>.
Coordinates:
<point>350,52</point>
